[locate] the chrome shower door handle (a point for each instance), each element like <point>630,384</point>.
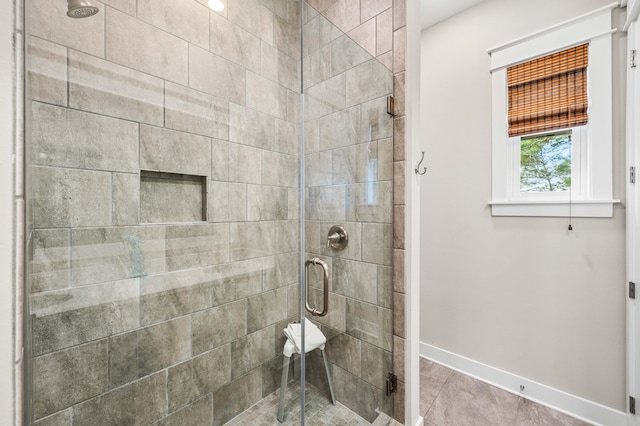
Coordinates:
<point>325,305</point>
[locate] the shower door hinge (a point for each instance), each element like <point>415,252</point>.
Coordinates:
<point>390,106</point>
<point>632,174</point>
<point>632,58</point>
<point>632,290</point>
<point>632,405</point>
<point>392,383</point>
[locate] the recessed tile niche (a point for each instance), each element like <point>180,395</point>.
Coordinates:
<point>172,197</point>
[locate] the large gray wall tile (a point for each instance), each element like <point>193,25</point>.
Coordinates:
<point>172,151</point>
<point>190,246</point>
<point>217,326</point>
<point>198,413</point>
<point>47,71</point>
<point>234,43</point>
<point>249,240</point>
<point>237,396</point>
<point>49,20</point>
<point>126,199</point>
<point>357,280</point>
<point>253,17</point>
<point>368,81</point>
<point>266,203</point>
<point>154,51</point>
<point>162,345</point>
<point>370,323</point>
<point>250,127</point>
<point>51,260</point>
<point>174,294</point>
<point>266,96</point>
<point>227,202</point>
<point>107,88</point>
<point>192,379</point>
<point>172,197</point>
<point>193,111</point>
<point>236,280</point>
<point>61,418</point>
<point>67,197</point>
<point>116,253</point>
<point>266,309</point>
<point>139,403</point>
<point>216,76</point>
<point>280,169</point>
<point>67,377</point>
<point>185,19</point>
<point>251,351</point>
<point>123,359</point>
<point>69,138</point>
<point>280,270</point>
<point>377,243</point>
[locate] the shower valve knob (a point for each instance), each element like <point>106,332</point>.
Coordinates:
<point>337,237</point>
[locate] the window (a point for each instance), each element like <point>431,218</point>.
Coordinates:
<point>551,131</point>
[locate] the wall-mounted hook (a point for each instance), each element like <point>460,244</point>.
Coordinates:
<point>417,169</point>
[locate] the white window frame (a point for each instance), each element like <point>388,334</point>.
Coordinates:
<point>596,178</point>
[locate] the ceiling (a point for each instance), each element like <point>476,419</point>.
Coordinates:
<point>434,11</point>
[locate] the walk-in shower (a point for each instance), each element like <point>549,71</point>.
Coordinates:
<point>183,165</point>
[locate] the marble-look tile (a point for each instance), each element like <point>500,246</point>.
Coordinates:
<point>234,43</point>
<point>375,123</point>
<point>321,5</point>
<point>337,316</point>
<point>467,401</point>
<point>384,32</point>
<point>385,292</point>
<point>346,54</point>
<point>370,323</point>
<point>287,236</point>
<point>51,259</point>
<point>251,351</point>
<point>266,202</point>
<point>47,71</point>
<point>70,197</point>
<point>103,87</point>
<point>398,271</point>
<point>193,379</point>
<point>280,271</point>
<point>141,402</point>
<point>347,353</point>
<point>266,309</point>
<point>162,345</point>
<point>344,14</point>
<point>340,129</point>
<point>371,8</point>
<point>249,240</point>
<point>357,280</point>
<point>377,243</point>
<point>327,203</point>
<point>123,359</point>
<point>198,413</point>
<point>399,14</point>
<point>399,49</point>
<point>398,227</point>
<point>66,318</point>
<point>187,20</point>
<point>399,182</point>
<point>287,138</point>
<point>216,76</point>
<point>266,96</point>
<point>67,377</point>
<point>220,160</point>
<point>253,17</point>
<point>370,202</point>
<point>215,327</point>
<point>532,414</point>
<point>192,111</point>
<point>68,138</point>
<point>365,35</point>
<point>286,38</point>
<point>197,245</point>
<point>245,164</point>
<point>155,51</point>
<point>235,397</point>
<point>280,169</point>
<point>126,6</point>
<point>250,127</point>
<point>359,396</point>
<point>399,92</point>
<point>126,199</point>
<point>376,364</point>
<point>174,294</point>
<point>116,253</point>
<point>166,150</point>
<point>399,138</point>
<point>398,361</point>
<point>236,280</point>
<point>61,418</point>
<point>386,59</point>
<point>227,202</point>
<point>368,81</point>
<point>48,20</point>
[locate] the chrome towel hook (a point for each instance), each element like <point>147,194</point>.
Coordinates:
<point>417,169</point>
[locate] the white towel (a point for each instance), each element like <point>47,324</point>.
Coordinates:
<point>313,336</point>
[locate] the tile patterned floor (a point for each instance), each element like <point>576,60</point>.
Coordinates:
<point>448,398</point>
<point>318,408</point>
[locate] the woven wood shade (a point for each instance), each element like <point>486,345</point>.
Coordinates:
<point>549,93</point>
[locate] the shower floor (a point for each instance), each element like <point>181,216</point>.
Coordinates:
<point>318,408</point>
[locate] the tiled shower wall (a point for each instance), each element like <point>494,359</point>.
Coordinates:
<point>182,322</point>
<point>349,148</point>
<point>179,322</point>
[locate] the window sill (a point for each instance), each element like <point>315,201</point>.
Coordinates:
<point>578,208</point>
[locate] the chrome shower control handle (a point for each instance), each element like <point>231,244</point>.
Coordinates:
<point>337,237</point>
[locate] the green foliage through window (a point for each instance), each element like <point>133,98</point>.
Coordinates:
<point>545,163</point>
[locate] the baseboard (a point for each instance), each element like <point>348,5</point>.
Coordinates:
<point>564,402</point>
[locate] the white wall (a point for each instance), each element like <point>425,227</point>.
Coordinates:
<point>520,294</point>
<point>6,211</point>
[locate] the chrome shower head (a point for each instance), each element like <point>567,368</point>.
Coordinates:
<point>80,9</point>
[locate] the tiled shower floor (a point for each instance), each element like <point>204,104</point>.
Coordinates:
<point>318,407</point>
<point>447,398</point>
